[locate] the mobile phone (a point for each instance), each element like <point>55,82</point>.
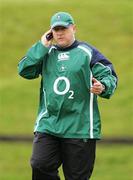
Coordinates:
<point>49,36</point>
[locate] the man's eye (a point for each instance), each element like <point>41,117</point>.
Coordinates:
<point>59,28</point>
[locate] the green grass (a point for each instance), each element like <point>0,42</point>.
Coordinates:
<point>105,24</point>
<point>112,162</point>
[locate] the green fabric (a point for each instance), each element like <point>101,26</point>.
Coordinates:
<point>61,19</point>
<point>103,74</point>
<point>67,108</point>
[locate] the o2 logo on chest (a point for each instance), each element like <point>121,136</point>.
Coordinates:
<point>66,89</point>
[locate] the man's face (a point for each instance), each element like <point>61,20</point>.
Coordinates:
<point>64,36</point>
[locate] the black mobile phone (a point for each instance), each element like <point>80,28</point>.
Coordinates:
<point>49,36</point>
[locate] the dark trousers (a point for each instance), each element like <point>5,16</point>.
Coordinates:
<point>76,156</point>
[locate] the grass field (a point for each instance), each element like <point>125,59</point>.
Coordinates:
<point>103,23</point>
<point>112,163</point>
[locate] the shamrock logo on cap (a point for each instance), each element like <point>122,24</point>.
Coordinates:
<point>58,17</point>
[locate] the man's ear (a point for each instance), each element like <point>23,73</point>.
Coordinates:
<point>74,28</point>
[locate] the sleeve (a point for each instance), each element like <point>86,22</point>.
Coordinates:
<point>30,66</point>
<point>103,70</point>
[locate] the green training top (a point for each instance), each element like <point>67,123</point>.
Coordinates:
<point>67,108</point>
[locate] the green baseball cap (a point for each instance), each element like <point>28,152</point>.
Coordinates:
<point>61,19</point>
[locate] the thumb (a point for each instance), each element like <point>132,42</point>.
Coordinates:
<point>94,80</point>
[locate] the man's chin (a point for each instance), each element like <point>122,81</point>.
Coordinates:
<point>62,44</point>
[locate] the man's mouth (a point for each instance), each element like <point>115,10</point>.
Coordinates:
<point>60,38</point>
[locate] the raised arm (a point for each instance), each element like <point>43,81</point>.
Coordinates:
<point>103,71</point>
<point>30,66</point>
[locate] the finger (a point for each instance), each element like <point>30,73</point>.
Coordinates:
<point>96,92</point>
<point>44,40</point>
<point>94,80</point>
<point>96,83</point>
<point>96,87</point>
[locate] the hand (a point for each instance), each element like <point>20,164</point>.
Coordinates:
<point>97,87</point>
<point>44,41</point>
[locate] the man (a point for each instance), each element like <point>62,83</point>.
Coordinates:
<point>72,74</point>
